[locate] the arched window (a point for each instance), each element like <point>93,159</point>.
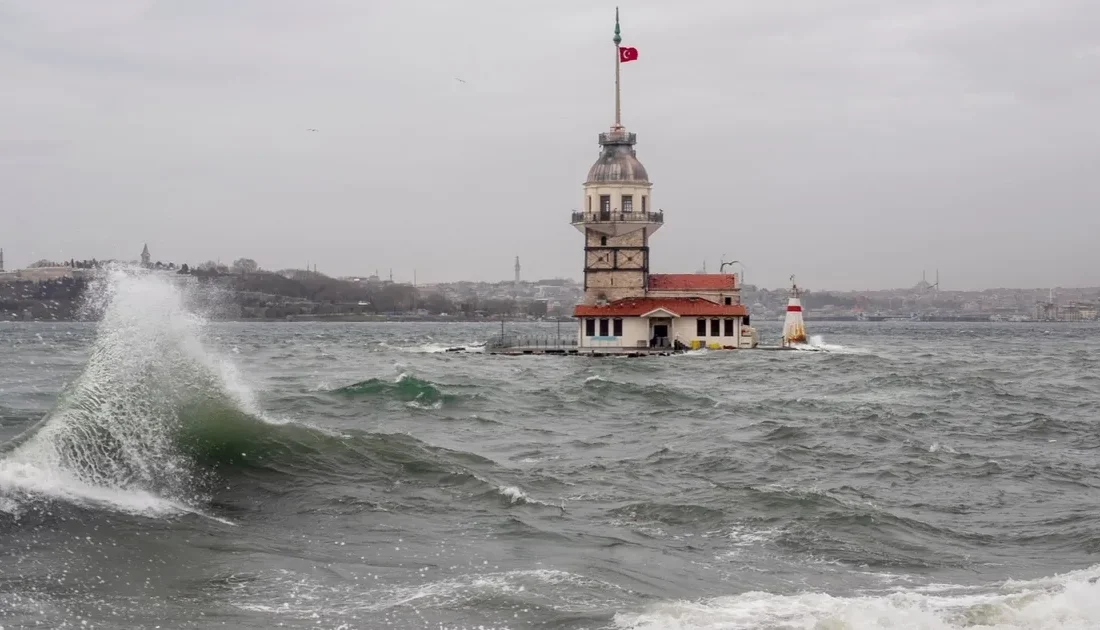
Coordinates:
<point>603,241</point>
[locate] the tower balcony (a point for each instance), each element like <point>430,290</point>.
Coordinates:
<point>618,136</point>
<point>615,223</point>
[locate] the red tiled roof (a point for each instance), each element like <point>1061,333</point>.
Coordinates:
<point>692,281</point>
<point>684,307</point>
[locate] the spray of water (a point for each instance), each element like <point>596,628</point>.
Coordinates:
<point>110,440</point>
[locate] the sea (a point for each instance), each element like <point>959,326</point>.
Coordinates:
<point>162,470</point>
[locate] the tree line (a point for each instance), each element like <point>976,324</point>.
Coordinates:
<point>377,297</point>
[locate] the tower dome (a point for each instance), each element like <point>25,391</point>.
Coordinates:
<point>618,161</point>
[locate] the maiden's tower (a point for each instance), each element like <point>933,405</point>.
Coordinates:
<point>625,306</point>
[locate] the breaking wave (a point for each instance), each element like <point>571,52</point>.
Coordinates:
<point>110,439</point>
<point>157,421</point>
<point>1061,602</point>
<point>816,343</point>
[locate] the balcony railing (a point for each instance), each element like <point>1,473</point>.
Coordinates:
<point>530,341</point>
<point>610,216</point>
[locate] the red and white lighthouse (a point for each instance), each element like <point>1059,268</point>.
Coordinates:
<point>794,331</point>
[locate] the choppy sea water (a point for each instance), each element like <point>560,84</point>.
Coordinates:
<point>160,470</point>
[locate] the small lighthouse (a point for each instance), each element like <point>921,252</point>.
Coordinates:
<point>794,331</point>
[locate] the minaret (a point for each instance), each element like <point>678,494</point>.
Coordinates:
<point>1,260</point>
<point>145,257</point>
<point>617,216</point>
<point>515,287</point>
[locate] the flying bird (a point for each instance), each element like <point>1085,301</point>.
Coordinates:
<point>311,130</point>
<point>459,80</point>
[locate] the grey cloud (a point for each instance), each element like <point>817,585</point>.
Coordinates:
<point>852,142</point>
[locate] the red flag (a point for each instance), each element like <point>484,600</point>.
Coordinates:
<point>627,54</point>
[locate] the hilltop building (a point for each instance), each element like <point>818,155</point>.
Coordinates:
<point>624,304</point>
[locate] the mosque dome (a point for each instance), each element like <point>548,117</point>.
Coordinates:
<point>618,161</point>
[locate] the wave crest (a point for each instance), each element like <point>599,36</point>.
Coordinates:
<point>111,436</point>
<point>1061,602</point>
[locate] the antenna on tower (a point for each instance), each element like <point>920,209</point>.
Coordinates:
<point>618,60</point>
<point>795,291</point>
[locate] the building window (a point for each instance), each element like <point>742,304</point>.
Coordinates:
<point>643,203</point>
<point>603,327</point>
<point>701,328</point>
<point>729,328</point>
<point>729,301</point>
<point>605,203</point>
<point>603,241</point>
<point>590,327</point>
<point>590,204</point>
<point>715,329</point>
<point>628,203</point>
<point>617,328</point>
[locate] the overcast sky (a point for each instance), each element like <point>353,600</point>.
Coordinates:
<point>851,142</point>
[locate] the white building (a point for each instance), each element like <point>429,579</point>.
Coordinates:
<point>624,304</point>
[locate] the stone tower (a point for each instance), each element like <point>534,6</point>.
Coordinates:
<point>617,216</point>
<point>145,257</point>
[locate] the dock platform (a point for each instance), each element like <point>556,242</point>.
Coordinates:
<point>581,351</point>
<point>514,345</point>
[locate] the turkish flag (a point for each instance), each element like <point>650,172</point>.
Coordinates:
<point>627,54</point>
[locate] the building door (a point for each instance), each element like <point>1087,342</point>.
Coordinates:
<point>660,335</point>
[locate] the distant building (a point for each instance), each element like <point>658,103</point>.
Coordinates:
<point>1,260</point>
<point>145,257</point>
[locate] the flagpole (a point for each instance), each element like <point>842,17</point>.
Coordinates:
<point>618,59</point>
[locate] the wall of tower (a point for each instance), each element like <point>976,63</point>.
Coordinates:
<point>629,280</point>
<point>614,285</point>
<point>636,238</point>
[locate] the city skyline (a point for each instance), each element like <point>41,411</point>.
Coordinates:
<point>931,279</point>
<point>848,144</point>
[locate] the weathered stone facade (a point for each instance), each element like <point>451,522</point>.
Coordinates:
<point>616,267</point>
